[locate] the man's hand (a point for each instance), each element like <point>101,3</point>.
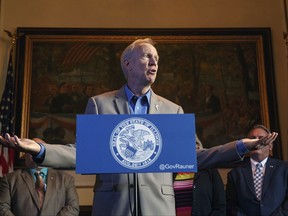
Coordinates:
<point>23,145</point>
<point>253,144</point>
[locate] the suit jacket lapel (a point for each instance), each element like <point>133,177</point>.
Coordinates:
<point>248,176</point>
<point>269,169</point>
<point>51,187</point>
<point>155,104</point>
<point>123,108</point>
<point>29,181</point>
<point>121,102</point>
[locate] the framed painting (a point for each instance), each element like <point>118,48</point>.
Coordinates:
<point>224,76</point>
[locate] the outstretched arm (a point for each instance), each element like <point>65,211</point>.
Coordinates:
<point>252,144</point>
<point>32,147</point>
<point>23,145</point>
<point>57,156</point>
<point>64,156</point>
<point>227,153</point>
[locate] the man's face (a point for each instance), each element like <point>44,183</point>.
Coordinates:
<point>264,152</point>
<point>29,162</point>
<point>143,66</point>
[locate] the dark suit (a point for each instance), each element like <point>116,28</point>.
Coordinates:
<point>112,193</point>
<point>19,197</point>
<point>240,192</point>
<point>208,194</point>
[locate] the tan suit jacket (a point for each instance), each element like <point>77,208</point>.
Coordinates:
<point>113,193</point>
<point>19,197</point>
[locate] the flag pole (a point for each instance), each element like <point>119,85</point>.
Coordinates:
<point>7,112</point>
<point>13,38</point>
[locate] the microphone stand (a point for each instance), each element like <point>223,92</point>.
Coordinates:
<point>136,195</point>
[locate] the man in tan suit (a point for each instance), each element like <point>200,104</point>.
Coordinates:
<point>114,192</point>
<point>18,195</point>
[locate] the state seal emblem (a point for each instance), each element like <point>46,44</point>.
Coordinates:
<point>135,143</point>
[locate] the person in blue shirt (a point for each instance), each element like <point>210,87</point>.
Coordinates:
<point>18,192</point>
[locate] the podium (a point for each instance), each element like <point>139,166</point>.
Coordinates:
<point>135,143</point>
<point>147,143</point>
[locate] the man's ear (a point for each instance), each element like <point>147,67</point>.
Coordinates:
<point>270,146</point>
<point>127,64</point>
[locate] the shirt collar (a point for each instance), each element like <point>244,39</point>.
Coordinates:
<point>44,170</point>
<point>130,94</point>
<point>263,162</point>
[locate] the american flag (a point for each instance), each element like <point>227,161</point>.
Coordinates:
<point>7,119</point>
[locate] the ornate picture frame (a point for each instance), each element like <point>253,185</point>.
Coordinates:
<point>224,76</point>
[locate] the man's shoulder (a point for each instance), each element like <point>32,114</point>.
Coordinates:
<point>165,100</point>
<point>15,174</point>
<point>278,162</point>
<point>165,105</point>
<point>106,94</point>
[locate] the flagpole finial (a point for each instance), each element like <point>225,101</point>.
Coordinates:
<point>12,36</point>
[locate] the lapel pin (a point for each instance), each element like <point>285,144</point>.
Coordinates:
<point>157,107</point>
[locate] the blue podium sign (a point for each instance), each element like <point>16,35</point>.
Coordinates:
<point>135,143</point>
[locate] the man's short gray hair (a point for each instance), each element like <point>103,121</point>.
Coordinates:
<point>127,53</point>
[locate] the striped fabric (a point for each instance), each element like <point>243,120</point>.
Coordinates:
<point>183,189</point>
<point>7,119</point>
